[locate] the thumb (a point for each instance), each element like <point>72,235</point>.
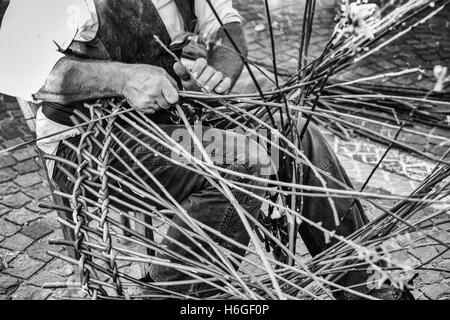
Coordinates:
<point>181,71</point>
<point>169,92</point>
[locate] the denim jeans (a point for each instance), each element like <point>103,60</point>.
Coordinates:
<point>206,204</point>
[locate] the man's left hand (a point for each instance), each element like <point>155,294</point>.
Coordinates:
<point>204,75</point>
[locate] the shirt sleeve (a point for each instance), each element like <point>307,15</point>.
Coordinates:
<point>33,36</point>
<point>207,24</point>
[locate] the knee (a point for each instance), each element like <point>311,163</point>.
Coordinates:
<point>250,174</point>
<point>312,130</point>
<point>252,160</point>
<point>314,143</point>
<point>247,155</point>
<point>258,159</point>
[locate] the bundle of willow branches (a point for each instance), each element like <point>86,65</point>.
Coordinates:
<point>364,99</point>
<point>108,250</point>
<point>404,111</point>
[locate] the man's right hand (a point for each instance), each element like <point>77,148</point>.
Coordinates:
<point>149,88</point>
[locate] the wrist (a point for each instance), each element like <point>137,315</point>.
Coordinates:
<point>120,75</point>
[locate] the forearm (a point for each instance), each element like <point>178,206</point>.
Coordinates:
<point>75,80</point>
<point>223,57</point>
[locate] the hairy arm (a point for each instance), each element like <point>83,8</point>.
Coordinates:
<point>144,86</point>
<point>75,80</point>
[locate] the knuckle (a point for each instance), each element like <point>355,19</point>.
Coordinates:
<point>158,81</point>
<point>164,73</point>
<point>139,105</point>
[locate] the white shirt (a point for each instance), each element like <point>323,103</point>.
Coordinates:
<point>34,32</point>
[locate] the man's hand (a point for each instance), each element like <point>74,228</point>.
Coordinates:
<point>208,77</point>
<point>150,88</point>
<point>146,87</point>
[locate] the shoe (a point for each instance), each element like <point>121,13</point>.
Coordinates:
<point>147,279</point>
<point>207,292</point>
<point>389,293</point>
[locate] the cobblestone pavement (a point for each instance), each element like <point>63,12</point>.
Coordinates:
<point>287,17</point>
<point>428,45</point>
<point>25,229</point>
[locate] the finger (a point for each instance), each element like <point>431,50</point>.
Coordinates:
<point>170,94</point>
<point>214,81</point>
<point>207,73</point>
<point>171,80</point>
<point>181,71</point>
<point>152,108</point>
<point>371,21</point>
<point>198,68</point>
<point>162,103</point>
<point>149,107</point>
<point>224,86</point>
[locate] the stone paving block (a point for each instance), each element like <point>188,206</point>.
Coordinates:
<point>22,216</point>
<point>27,292</point>
<point>38,250</point>
<point>17,242</point>
<point>418,295</point>
<point>57,234</point>
<point>392,166</point>
<point>27,167</point>
<point>13,142</point>
<point>45,276</point>
<point>34,206</point>
<point>24,267</point>
<point>15,201</point>
<point>436,291</point>
<point>51,219</point>
<point>25,154</point>
<point>7,175</point>
<point>7,228</point>
<point>444,265</point>
<point>431,277</point>
<point>8,188</point>
<point>69,293</point>
<point>6,256</point>
<point>444,226</point>
<point>405,259</point>
<point>424,254</point>
<point>8,284</point>
<point>446,254</point>
<point>28,180</point>
<point>60,268</point>
<point>4,210</point>
<point>36,230</point>
<point>39,191</point>
<point>442,235</point>
<point>6,161</point>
